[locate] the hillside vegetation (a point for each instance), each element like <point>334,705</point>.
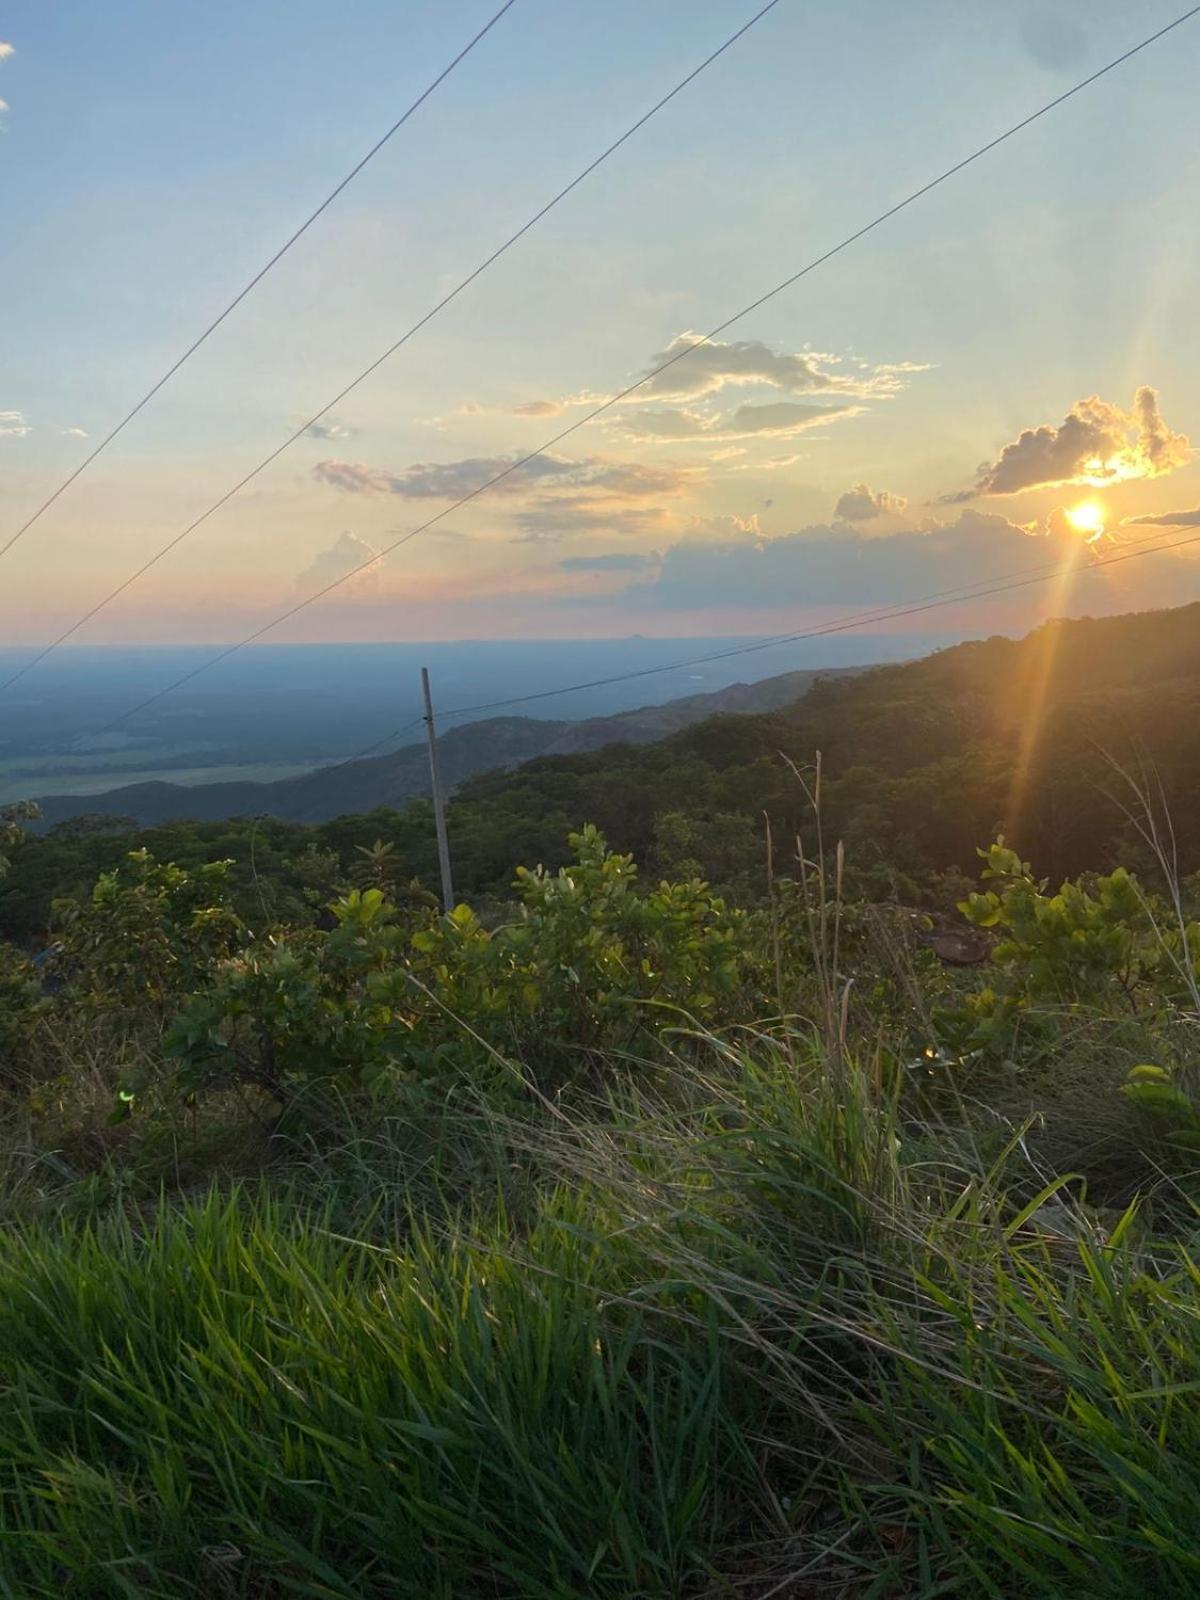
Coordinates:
<point>691,1231</point>
<point>921,762</point>
<point>373,781</point>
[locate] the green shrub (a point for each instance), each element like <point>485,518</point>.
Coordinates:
<point>591,962</point>
<point>148,933</point>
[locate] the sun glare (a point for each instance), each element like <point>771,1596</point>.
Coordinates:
<point>1087,517</point>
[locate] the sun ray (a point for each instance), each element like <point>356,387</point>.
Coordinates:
<point>1043,647</point>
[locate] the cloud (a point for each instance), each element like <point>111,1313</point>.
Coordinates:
<point>530,408</point>
<point>827,565</point>
<point>4,105</point>
<point>665,426</point>
<point>861,504</point>
<point>75,433</point>
<point>723,528</point>
<point>443,480</point>
<point>345,556</point>
<point>636,478</point>
<point>765,464</point>
<point>559,516</point>
<point>613,562</point>
<point>1052,39</point>
<point>13,425</point>
<point>1166,519</point>
<point>329,427</point>
<point>1096,444</point>
<point>6,50</point>
<point>780,419</point>
<point>1161,449</point>
<point>354,477</point>
<point>557,497</point>
<point>701,368</point>
<point>538,408</point>
<point>449,480</point>
<point>675,395</point>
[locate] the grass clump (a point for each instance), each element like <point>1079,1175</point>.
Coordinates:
<point>341,1418</point>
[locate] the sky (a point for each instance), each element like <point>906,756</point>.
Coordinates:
<point>1000,380</point>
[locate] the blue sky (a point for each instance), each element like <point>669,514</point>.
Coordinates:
<point>152,157</point>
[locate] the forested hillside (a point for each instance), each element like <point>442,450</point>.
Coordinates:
<point>1037,739</point>
<point>389,780</point>
<point>920,762</point>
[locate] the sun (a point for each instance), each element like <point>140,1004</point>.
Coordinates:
<point>1087,517</point>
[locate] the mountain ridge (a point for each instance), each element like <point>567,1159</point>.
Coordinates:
<point>389,780</point>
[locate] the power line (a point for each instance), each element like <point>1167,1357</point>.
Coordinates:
<point>349,761</point>
<point>483,266</point>
<point>254,282</point>
<point>623,394</point>
<point>965,593</point>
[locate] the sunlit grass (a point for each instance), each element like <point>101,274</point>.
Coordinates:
<point>688,1340</point>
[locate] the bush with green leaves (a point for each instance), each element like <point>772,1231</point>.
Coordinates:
<point>1101,945</point>
<point>22,1006</point>
<point>291,1010</point>
<point>12,833</point>
<point>1169,1100</point>
<point>149,933</point>
<point>591,961</point>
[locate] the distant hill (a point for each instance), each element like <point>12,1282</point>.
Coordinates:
<point>390,780</point>
<point>921,763</point>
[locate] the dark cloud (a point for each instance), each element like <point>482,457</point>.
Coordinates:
<point>862,503</point>
<point>449,480</point>
<point>444,480</point>
<point>1166,519</point>
<point>354,477</point>
<point>832,565</point>
<point>780,419</point>
<point>557,498</point>
<point>711,365</point>
<point>1096,444</point>
<point>695,369</point>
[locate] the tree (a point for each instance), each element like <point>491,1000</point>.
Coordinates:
<point>11,830</point>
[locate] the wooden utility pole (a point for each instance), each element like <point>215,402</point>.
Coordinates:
<point>439,810</point>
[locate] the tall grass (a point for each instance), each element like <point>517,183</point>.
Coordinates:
<point>743,1334</point>
<point>239,1390</point>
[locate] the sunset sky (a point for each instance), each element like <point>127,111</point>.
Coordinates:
<point>929,410</point>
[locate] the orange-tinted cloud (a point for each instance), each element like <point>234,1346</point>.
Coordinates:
<point>1096,444</point>
<point>862,504</point>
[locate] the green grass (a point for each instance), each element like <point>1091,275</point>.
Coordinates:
<point>350,1420</point>
<point>690,1340</point>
